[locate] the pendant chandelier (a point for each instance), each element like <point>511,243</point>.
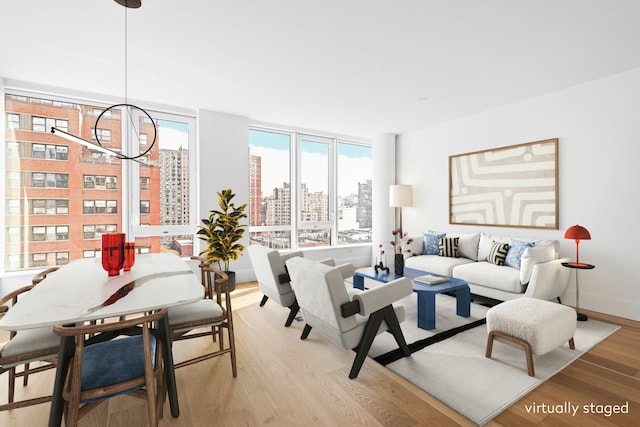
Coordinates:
<point>128,4</point>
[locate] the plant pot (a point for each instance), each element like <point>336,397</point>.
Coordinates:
<point>232,280</point>
<point>399,264</point>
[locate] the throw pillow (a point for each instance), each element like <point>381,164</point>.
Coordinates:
<point>516,249</point>
<point>498,253</point>
<point>431,243</point>
<point>448,247</point>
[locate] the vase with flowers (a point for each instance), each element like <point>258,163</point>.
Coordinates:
<point>400,244</point>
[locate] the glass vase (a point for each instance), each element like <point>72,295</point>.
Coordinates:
<point>113,254</point>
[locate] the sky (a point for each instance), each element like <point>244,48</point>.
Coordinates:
<point>354,163</point>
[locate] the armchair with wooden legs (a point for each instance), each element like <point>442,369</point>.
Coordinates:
<point>351,320</point>
<point>208,317</point>
<point>273,278</point>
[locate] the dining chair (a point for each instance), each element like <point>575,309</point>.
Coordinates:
<point>43,275</point>
<point>23,349</point>
<point>208,317</point>
<point>273,279</point>
<point>349,319</point>
<point>121,357</point>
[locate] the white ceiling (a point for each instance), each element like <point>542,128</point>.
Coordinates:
<point>356,67</point>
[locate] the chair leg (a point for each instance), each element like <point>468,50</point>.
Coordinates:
<point>559,301</point>
<point>292,314</point>
<point>264,300</point>
<point>388,315</point>
<point>305,332</point>
<point>572,344</point>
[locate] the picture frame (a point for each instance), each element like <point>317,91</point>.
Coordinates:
<point>512,186</point>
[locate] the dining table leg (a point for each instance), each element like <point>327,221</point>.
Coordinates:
<point>169,371</point>
<point>57,403</point>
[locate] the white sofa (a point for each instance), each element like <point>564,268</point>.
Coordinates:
<point>540,273</point>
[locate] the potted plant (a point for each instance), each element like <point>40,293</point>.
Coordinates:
<point>223,231</point>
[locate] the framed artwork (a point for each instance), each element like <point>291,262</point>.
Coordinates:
<point>514,186</point>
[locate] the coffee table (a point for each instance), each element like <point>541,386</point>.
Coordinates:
<point>426,294</point>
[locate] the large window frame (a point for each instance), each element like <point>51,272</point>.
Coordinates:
<point>299,225</point>
<point>53,178</point>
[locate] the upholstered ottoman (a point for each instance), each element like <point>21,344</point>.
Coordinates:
<point>537,325</point>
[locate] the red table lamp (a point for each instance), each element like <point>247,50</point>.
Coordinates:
<point>577,232</point>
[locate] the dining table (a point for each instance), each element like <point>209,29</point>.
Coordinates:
<point>81,291</point>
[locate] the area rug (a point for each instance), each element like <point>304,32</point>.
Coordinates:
<point>449,363</point>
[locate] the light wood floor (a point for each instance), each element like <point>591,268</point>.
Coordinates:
<point>284,382</point>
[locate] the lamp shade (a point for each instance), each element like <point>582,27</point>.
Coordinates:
<point>577,232</point>
<point>400,196</point>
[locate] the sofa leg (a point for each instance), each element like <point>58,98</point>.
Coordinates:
<point>559,301</point>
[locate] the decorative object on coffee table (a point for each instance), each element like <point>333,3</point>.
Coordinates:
<point>398,263</point>
<point>577,233</point>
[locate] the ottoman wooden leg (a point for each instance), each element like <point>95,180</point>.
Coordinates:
<point>527,348</point>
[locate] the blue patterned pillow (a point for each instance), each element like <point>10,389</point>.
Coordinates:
<point>431,243</point>
<point>516,249</point>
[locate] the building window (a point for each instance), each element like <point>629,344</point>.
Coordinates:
<point>49,152</point>
<point>44,124</point>
<point>144,206</point>
<point>100,207</point>
<point>49,180</point>
<point>144,183</point>
<point>94,231</point>
<point>104,135</point>
<point>100,182</point>
<point>49,206</point>
<point>13,121</point>
<point>331,193</point>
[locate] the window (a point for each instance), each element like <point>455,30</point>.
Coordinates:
<point>49,152</point>
<point>13,121</point>
<point>104,135</point>
<point>87,184</point>
<point>44,124</point>
<point>330,193</point>
<point>49,207</point>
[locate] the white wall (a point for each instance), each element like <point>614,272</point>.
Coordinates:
<point>598,127</point>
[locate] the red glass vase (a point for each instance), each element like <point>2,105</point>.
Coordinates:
<point>113,253</point>
<point>129,255</point>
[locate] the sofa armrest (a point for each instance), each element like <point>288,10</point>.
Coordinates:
<point>374,299</point>
<point>548,280</point>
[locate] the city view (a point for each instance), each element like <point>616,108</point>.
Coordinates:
<point>322,211</point>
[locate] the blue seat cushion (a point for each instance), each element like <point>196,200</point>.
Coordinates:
<point>112,362</point>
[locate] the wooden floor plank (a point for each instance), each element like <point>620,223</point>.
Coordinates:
<point>283,381</point>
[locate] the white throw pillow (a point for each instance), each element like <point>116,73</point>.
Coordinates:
<point>533,256</point>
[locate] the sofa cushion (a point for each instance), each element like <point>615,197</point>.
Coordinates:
<point>516,249</point>
<point>498,253</point>
<point>532,256</point>
<point>467,244</point>
<point>448,246</point>
<point>435,263</point>
<point>485,242</point>
<point>431,243</point>
<point>483,273</point>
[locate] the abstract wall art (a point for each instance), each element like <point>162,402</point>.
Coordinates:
<point>514,186</point>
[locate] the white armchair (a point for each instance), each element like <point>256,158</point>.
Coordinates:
<point>349,321</point>
<point>273,279</point>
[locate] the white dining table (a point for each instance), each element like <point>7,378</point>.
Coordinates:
<point>82,291</point>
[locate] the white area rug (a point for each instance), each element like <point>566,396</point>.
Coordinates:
<point>456,372</point>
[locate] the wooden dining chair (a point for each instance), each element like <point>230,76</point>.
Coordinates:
<point>208,317</point>
<point>109,364</point>
<point>43,275</point>
<point>22,350</point>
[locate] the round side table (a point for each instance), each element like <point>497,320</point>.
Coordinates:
<point>579,266</point>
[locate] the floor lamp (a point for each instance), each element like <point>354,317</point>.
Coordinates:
<point>400,196</point>
<point>577,233</point>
